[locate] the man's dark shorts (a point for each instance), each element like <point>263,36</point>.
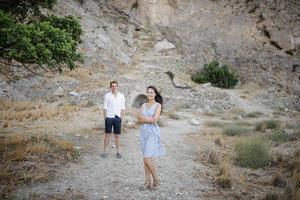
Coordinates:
<point>113,123</point>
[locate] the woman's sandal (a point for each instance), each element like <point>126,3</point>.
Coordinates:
<point>156,183</point>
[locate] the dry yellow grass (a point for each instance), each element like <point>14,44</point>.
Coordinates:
<point>225,179</point>
<point>23,111</point>
<point>35,151</point>
<point>38,148</point>
<point>65,145</point>
<point>213,157</point>
<point>6,125</point>
<point>219,141</point>
<point>250,88</point>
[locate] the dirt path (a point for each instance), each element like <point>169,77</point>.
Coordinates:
<point>96,178</point>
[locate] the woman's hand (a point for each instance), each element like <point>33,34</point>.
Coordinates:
<point>150,120</point>
<point>141,119</point>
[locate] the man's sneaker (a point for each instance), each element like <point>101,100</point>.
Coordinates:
<point>119,156</point>
<point>104,155</point>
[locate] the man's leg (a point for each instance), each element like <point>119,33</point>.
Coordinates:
<point>117,132</point>
<point>106,142</point>
<point>117,142</point>
<point>108,131</point>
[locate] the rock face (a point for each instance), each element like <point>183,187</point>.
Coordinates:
<point>260,39</point>
<point>102,41</point>
<point>130,41</point>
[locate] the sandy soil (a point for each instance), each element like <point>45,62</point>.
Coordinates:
<point>96,178</point>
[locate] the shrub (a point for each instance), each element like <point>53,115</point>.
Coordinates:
<point>225,179</point>
<point>279,136</point>
<point>254,114</point>
<point>253,153</point>
<point>35,40</point>
<point>214,123</point>
<point>235,130</point>
<point>218,75</point>
<point>272,196</point>
<point>278,181</point>
<point>267,124</point>
<point>219,141</point>
<point>213,157</point>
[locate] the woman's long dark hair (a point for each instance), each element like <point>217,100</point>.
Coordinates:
<point>158,97</point>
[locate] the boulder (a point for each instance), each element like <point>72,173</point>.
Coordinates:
<point>164,46</point>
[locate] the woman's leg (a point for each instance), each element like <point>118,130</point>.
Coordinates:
<point>155,178</point>
<point>147,176</point>
<point>151,169</point>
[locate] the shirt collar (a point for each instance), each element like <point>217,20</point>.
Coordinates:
<point>113,94</point>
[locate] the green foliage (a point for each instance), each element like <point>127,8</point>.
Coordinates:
<point>219,76</point>
<point>69,23</point>
<point>253,152</point>
<point>51,41</point>
<point>21,9</point>
<point>214,123</point>
<point>279,136</point>
<point>235,130</point>
<point>267,124</point>
<point>254,114</point>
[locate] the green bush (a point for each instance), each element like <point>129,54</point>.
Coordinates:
<point>279,136</point>
<point>214,123</point>
<point>254,114</point>
<point>39,42</point>
<point>253,153</point>
<point>69,23</point>
<point>25,9</point>
<point>235,130</point>
<point>219,76</point>
<point>267,124</point>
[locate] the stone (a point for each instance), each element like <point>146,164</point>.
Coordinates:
<point>59,92</point>
<point>75,94</point>
<point>206,85</point>
<point>194,122</point>
<point>164,46</point>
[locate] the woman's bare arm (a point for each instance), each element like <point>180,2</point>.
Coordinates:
<point>157,113</point>
<point>149,120</point>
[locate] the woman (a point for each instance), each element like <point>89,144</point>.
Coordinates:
<point>150,135</point>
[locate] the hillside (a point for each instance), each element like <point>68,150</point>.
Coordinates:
<point>52,127</point>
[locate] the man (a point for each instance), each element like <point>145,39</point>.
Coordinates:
<point>114,106</point>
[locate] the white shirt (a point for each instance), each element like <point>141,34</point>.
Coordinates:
<point>114,104</point>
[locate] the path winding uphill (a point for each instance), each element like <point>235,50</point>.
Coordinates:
<point>96,178</point>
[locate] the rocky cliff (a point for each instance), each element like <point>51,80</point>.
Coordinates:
<point>259,39</point>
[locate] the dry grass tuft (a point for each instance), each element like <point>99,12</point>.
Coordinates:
<point>26,159</point>
<point>252,152</point>
<point>278,181</point>
<point>5,125</point>
<point>254,114</point>
<point>210,114</point>
<point>219,141</point>
<point>267,124</point>
<point>22,111</point>
<point>292,190</point>
<point>225,179</point>
<point>213,157</point>
<point>271,195</point>
<point>235,130</point>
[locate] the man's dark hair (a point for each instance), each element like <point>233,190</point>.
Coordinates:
<point>113,82</point>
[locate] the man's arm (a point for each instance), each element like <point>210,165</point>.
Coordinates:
<point>122,107</point>
<point>104,113</point>
<point>105,107</point>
